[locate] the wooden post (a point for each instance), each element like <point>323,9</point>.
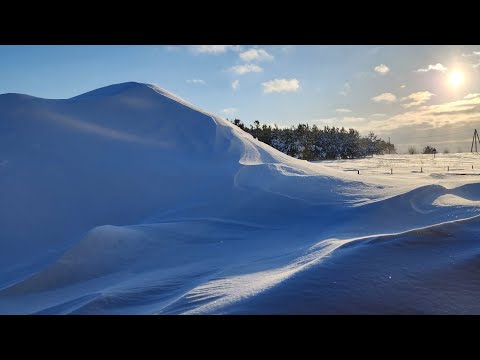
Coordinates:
<point>391,171</point>
<point>448,168</point>
<point>358,172</point>
<point>421,169</point>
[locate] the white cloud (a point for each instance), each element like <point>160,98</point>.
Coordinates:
<point>476,65</point>
<point>214,49</point>
<point>472,96</point>
<point>235,84</point>
<point>343,110</point>
<point>403,86</point>
<point>245,69</point>
<point>436,67</point>
<point>346,89</point>
<point>229,111</point>
<point>281,85</point>
<point>255,55</point>
<point>196,81</point>
<point>171,48</point>
<point>417,98</point>
<point>385,97</point>
<point>379,114</point>
<point>352,118</point>
<point>382,69</point>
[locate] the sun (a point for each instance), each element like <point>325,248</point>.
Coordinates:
<point>456,78</point>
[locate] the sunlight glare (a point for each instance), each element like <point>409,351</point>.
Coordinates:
<point>456,78</point>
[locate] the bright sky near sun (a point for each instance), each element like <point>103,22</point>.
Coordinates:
<point>416,95</point>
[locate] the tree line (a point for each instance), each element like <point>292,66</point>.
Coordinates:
<point>312,143</point>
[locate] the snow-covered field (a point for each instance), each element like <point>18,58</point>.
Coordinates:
<point>129,200</point>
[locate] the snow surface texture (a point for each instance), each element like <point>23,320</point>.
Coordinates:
<point>130,200</point>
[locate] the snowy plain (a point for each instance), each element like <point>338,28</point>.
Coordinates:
<point>130,200</point>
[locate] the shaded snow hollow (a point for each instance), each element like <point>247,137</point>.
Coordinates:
<point>129,199</point>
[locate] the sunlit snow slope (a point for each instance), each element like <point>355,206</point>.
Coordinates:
<point>128,199</point>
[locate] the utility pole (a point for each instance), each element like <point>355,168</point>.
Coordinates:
<point>475,140</point>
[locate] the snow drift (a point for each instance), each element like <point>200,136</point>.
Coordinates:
<point>128,199</point>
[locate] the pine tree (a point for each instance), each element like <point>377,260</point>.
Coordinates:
<point>312,143</point>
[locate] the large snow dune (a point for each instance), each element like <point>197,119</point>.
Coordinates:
<point>130,200</point>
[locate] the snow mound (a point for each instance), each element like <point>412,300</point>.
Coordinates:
<point>129,199</point>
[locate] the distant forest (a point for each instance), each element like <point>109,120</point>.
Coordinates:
<point>312,143</point>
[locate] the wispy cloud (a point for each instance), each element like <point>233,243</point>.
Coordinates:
<point>245,69</point>
<point>436,67</point>
<point>229,111</point>
<point>403,86</point>
<point>472,96</point>
<point>346,89</point>
<point>382,69</point>
<point>385,97</point>
<point>473,53</point>
<point>214,49</point>
<point>379,114</point>
<point>196,81</point>
<point>343,110</point>
<point>433,116</point>
<point>235,84</point>
<point>417,98</point>
<point>281,85</point>
<point>254,54</point>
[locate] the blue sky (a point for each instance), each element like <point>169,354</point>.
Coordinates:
<point>417,95</point>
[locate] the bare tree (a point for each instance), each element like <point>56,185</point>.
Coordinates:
<point>446,151</point>
<point>412,150</point>
<point>429,150</point>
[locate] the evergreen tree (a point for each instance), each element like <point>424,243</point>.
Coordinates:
<point>312,143</point>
